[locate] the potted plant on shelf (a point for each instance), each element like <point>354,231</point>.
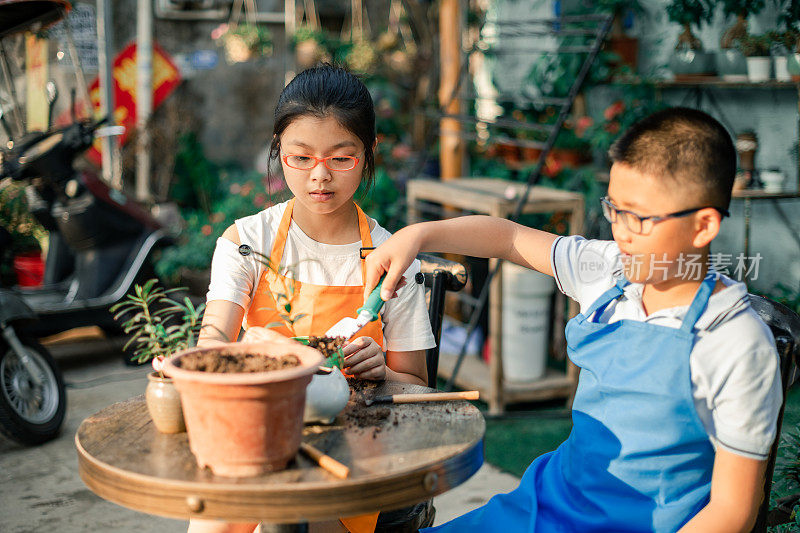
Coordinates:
<point>731,63</point>
<point>789,18</point>
<point>159,327</point>
<point>689,60</point>
<point>783,45</point>
<point>756,49</point>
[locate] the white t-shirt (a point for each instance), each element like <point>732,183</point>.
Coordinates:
<point>734,366</point>
<point>234,278</point>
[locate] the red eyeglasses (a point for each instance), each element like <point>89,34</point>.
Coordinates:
<point>337,163</point>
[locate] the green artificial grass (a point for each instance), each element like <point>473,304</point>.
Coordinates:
<point>512,443</point>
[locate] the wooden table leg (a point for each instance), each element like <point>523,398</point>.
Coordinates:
<point>496,393</point>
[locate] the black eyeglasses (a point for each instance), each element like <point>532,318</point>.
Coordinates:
<point>644,225</point>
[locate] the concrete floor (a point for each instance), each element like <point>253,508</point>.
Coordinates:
<point>40,489</point>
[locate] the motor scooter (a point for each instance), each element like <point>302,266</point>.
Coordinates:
<point>100,243</point>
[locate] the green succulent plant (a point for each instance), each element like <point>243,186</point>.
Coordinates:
<point>158,325</point>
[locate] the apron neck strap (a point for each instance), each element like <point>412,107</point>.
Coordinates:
<point>279,243</point>
<point>606,298</point>
<point>276,254</point>
<point>700,301</point>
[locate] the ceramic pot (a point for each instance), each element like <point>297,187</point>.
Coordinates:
<point>731,65</point>
<point>758,69</point>
<point>164,404</point>
<point>689,63</point>
<point>326,397</point>
<point>772,179</point>
<point>782,68</point>
<point>793,66</point>
<point>245,424</point>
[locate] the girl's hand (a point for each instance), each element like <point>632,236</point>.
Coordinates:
<point>364,359</point>
<point>259,334</point>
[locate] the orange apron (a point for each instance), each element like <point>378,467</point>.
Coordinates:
<point>323,306</point>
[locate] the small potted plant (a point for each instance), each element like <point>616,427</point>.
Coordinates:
<point>159,327</point>
<point>756,49</point>
<point>731,63</point>
<point>25,236</point>
<point>783,44</point>
<point>689,60</point>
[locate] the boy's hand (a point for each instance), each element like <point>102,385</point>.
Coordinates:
<point>392,257</point>
<point>364,359</point>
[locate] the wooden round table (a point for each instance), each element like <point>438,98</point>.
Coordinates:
<point>398,454</point>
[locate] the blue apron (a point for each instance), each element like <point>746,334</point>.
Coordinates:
<point>638,457</point>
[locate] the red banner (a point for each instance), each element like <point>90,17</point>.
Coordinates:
<point>165,78</point>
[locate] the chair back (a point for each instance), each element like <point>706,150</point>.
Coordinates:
<point>439,276</point>
<point>785,326</point>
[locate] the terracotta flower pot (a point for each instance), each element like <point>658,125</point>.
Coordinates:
<point>164,404</point>
<point>245,424</point>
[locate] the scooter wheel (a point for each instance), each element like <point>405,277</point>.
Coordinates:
<point>31,413</point>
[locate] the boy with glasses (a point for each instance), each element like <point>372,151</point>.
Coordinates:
<point>679,388</point>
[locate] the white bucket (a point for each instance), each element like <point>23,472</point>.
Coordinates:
<point>526,322</point>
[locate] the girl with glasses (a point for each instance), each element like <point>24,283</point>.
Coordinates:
<point>324,136</point>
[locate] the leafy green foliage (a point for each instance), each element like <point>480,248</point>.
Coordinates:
<point>742,7</point>
<point>382,202</point>
<point>754,45</point>
<point>690,11</point>
<point>157,324</point>
<point>196,178</point>
<point>790,14</point>
<point>26,233</point>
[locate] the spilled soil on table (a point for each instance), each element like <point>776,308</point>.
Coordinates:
<point>364,417</point>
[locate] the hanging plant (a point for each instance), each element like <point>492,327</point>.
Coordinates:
<point>362,57</point>
<point>243,42</point>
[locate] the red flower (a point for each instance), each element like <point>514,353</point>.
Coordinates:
<point>612,127</point>
<point>552,166</point>
<point>247,188</point>
<point>259,200</point>
<point>613,110</point>
<point>206,230</point>
<point>582,124</point>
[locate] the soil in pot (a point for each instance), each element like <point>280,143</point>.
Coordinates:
<point>218,361</point>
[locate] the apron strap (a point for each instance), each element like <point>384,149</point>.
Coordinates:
<point>279,243</point>
<point>366,240</point>
<point>700,301</point>
<point>606,298</point>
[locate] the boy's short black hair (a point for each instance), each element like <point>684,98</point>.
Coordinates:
<point>685,146</point>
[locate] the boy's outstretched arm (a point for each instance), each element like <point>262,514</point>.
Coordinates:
<point>737,486</point>
<point>478,236</point>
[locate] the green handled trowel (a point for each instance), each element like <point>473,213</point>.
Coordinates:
<point>348,326</point>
